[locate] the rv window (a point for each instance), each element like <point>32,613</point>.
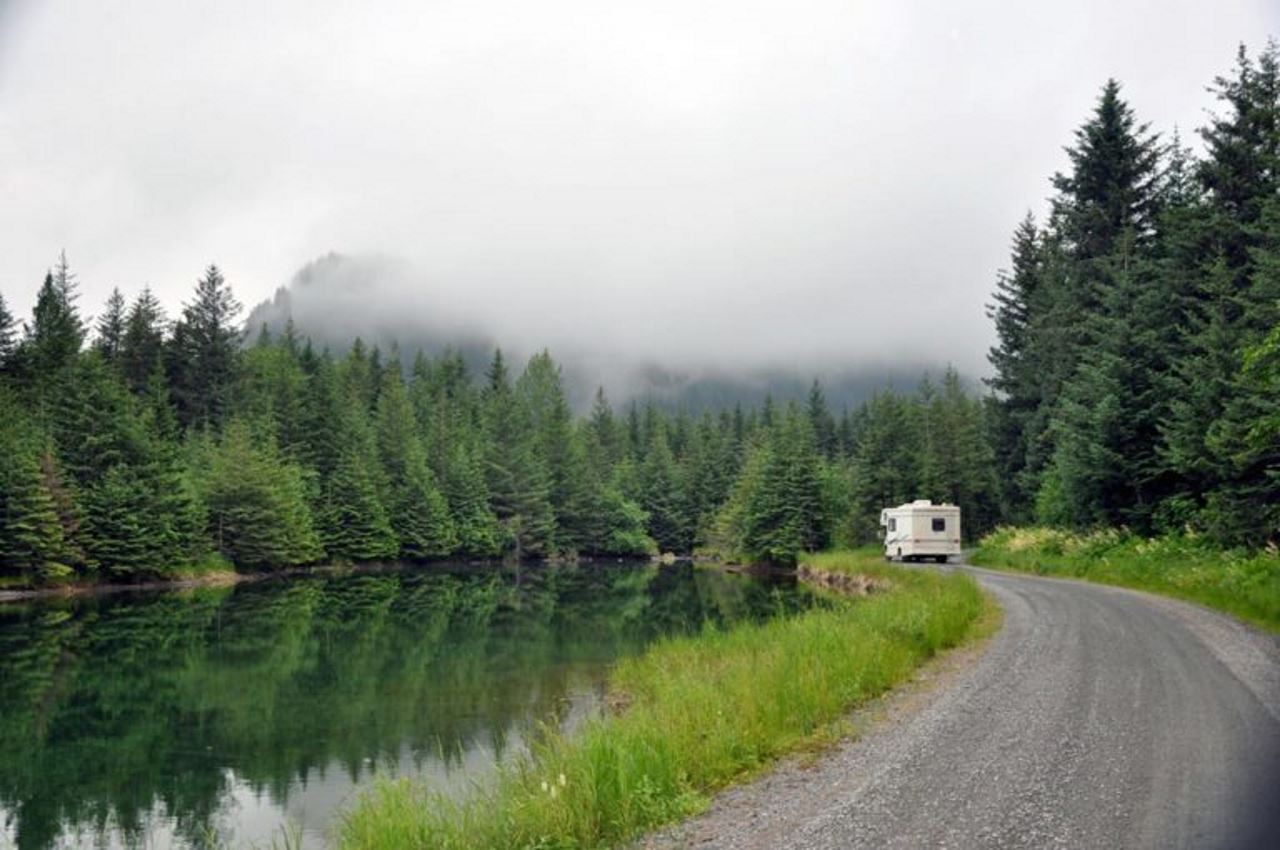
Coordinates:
<point>939,523</point>
<point>893,524</point>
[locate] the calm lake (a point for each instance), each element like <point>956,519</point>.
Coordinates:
<point>216,717</point>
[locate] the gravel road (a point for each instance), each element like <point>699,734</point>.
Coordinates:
<point>1096,717</point>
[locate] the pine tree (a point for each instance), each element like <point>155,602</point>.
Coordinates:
<point>352,519</point>
<point>1217,486</point>
<point>784,513</point>
<point>727,534</point>
<point>478,530</point>
<point>142,344</point>
<point>32,544</point>
<point>205,348</point>
<point>885,458</point>
<point>418,512</point>
<point>319,439</point>
<point>55,335</point>
<point>257,510</point>
<point>116,533</point>
<point>708,472</point>
<point>1109,197</point>
<point>32,540</point>
<point>1244,504</point>
<point>271,388</point>
<point>94,422</point>
<point>1262,373</point>
<point>1242,170</point>
<point>1016,381</point>
<point>540,391</point>
<point>602,432</point>
<point>1103,217</point>
<point>821,421</point>
<point>517,473</point>
<point>8,337</point>
<point>661,497</point>
<point>111,327</point>
<point>359,375</point>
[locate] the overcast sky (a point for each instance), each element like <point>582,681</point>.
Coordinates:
<point>736,181</point>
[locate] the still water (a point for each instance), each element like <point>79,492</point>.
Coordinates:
<point>220,717</point>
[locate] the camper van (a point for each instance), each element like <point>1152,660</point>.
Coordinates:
<point>921,530</point>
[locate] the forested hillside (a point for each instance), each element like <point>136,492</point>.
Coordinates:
<point>162,444</point>
<point>336,298</point>
<point>1136,382</point>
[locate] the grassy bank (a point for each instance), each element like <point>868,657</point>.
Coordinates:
<point>692,715</point>
<point>867,561</point>
<point>1245,584</point>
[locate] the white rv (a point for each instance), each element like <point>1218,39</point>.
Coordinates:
<point>920,530</point>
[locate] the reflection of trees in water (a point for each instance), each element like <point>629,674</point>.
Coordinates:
<point>113,704</point>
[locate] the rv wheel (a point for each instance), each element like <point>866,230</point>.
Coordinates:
<point>942,559</point>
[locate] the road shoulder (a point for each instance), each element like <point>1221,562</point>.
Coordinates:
<point>763,811</point>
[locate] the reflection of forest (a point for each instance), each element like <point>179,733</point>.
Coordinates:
<point>112,705</point>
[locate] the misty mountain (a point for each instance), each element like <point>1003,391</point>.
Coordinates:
<point>337,298</point>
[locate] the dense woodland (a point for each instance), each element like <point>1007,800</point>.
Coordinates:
<point>159,446</point>
<point>1137,377</point>
<point>1136,382</point>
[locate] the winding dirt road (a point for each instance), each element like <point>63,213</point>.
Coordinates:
<point>1097,717</point>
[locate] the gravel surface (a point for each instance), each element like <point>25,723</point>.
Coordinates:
<point>1096,717</point>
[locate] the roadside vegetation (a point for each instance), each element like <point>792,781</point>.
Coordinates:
<point>1239,582</point>
<point>688,717</point>
<point>866,561</point>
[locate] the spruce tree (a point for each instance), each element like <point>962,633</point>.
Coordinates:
<point>319,437</point>
<point>1103,216</point>
<point>784,513</point>
<point>417,509</point>
<point>1109,196</point>
<point>8,337</point>
<point>205,348</point>
<point>602,430</point>
<point>1017,372</point>
<point>32,543</point>
<point>55,335</point>
<point>477,527</point>
<point>257,510</point>
<point>111,328</point>
<point>540,392</point>
<point>352,519</point>
<point>517,472</point>
<point>661,496</point>
<point>821,421</point>
<point>142,344</point>
<point>1218,487</point>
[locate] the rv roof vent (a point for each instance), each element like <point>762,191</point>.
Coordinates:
<point>922,503</point>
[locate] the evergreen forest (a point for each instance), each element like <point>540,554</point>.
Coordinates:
<point>1135,383</point>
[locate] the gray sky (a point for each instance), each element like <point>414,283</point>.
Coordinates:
<point>727,181</point>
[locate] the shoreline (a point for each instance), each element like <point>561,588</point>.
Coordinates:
<point>231,578</point>
<point>698,714</point>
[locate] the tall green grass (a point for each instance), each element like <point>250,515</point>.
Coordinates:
<point>867,560</point>
<point>1245,584</point>
<point>695,714</point>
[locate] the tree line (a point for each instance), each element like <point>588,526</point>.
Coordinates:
<point>1135,378</point>
<point>160,445</point>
